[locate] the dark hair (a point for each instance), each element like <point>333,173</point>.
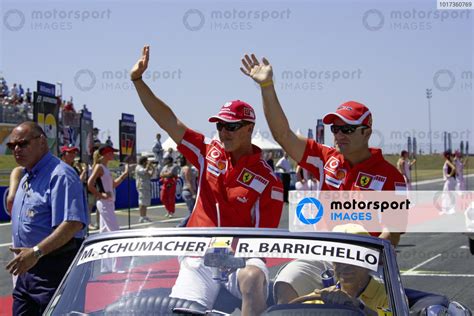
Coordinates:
<point>447,154</point>
<point>182,161</point>
<point>142,160</point>
<point>403,153</point>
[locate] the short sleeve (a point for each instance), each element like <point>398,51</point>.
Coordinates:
<point>68,199</point>
<point>193,147</point>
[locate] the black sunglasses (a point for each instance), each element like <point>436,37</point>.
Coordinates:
<point>231,127</point>
<point>346,129</point>
<point>22,143</point>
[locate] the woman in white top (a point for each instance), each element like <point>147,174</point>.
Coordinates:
<point>449,172</point>
<point>459,163</point>
<point>106,184</point>
<point>404,166</point>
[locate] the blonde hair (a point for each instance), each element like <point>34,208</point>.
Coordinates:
<point>96,158</point>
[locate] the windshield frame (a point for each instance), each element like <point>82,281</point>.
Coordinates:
<point>391,276</point>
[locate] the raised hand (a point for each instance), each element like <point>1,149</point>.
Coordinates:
<point>260,72</point>
<point>141,65</point>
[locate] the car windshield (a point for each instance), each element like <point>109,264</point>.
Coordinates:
<point>137,274</point>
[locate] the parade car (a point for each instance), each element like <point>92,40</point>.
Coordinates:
<point>133,273</point>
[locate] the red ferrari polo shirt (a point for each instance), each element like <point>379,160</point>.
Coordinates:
<point>247,194</point>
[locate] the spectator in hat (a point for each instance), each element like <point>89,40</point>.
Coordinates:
<point>68,155</point>
<point>232,176</point>
<point>102,185</point>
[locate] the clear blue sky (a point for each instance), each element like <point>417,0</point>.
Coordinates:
<point>386,53</point>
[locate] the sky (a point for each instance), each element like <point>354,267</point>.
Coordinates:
<point>384,54</point>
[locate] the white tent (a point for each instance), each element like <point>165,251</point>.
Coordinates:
<point>169,143</point>
<point>259,139</point>
<point>263,141</point>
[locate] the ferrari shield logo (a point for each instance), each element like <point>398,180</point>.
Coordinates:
<point>246,177</point>
<point>370,182</point>
<point>364,181</point>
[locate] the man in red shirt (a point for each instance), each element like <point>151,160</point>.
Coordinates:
<point>236,188</point>
<point>350,165</point>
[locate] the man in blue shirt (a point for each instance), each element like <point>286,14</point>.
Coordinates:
<point>49,217</point>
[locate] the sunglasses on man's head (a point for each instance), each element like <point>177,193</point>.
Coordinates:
<point>231,127</point>
<point>346,129</point>
<point>21,144</point>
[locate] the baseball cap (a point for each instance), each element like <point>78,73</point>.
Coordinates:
<point>234,111</point>
<point>68,148</point>
<point>104,149</point>
<point>351,112</point>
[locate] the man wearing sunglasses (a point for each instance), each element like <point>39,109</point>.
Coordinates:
<point>349,165</point>
<point>236,188</point>
<point>49,217</point>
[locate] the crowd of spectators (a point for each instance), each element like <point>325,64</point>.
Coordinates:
<point>15,103</point>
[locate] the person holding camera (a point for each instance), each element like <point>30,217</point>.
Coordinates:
<point>143,173</point>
